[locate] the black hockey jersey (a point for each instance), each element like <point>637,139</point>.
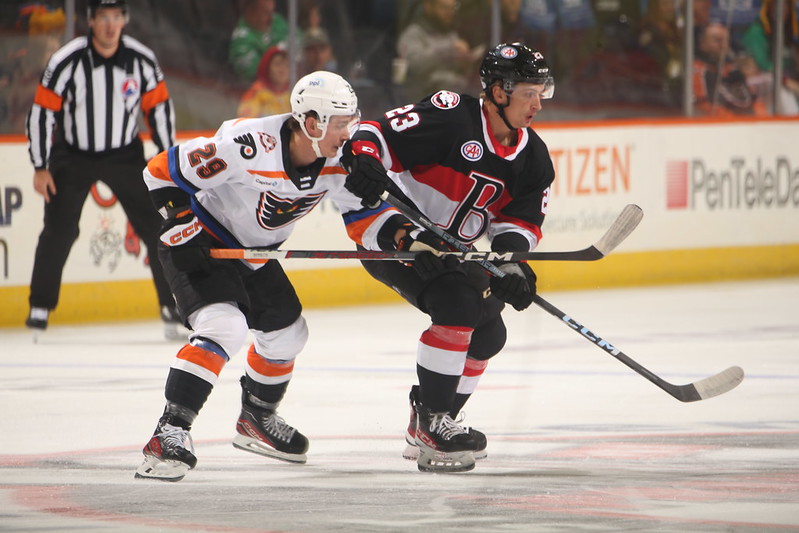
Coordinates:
<point>442,156</point>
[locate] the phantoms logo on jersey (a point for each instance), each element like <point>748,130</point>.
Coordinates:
<point>445,99</point>
<point>267,141</point>
<point>275,212</point>
<point>747,184</point>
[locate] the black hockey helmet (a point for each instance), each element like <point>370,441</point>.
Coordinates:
<point>516,62</point>
<point>94,5</point>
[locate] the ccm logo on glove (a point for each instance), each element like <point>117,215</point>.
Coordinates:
<point>365,148</point>
<point>181,233</point>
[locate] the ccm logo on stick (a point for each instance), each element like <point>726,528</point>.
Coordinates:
<point>585,332</point>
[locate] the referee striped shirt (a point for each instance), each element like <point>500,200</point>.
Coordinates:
<point>95,102</point>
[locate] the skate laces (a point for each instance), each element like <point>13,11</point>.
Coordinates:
<point>459,420</point>
<point>444,425</point>
<point>275,425</point>
<point>175,437</point>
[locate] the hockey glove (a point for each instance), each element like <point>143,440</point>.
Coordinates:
<point>430,266</point>
<point>416,240</point>
<point>188,248</point>
<point>517,287</point>
<point>367,177</point>
<point>428,263</point>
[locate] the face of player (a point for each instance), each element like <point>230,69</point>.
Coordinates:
<point>525,103</point>
<point>339,129</point>
<point>107,25</point>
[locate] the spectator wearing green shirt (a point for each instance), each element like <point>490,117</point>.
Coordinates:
<point>259,28</point>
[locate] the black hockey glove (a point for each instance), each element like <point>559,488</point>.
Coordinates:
<point>417,240</point>
<point>367,177</point>
<point>430,266</point>
<point>428,263</point>
<point>188,245</point>
<point>517,287</point>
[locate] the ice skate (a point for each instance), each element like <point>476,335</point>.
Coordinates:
<point>37,321</point>
<point>260,430</point>
<point>444,446</point>
<point>173,327</point>
<point>411,451</point>
<point>165,456</point>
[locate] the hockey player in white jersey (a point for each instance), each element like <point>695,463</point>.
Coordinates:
<point>246,186</point>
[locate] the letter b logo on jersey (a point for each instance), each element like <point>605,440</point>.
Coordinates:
<point>471,217</point>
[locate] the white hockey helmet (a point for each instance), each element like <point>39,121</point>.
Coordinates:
<point>325,93</point>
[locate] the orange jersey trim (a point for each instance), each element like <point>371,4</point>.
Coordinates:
<point>159,166</point>
<point>152,98</point>
<point>356,229</point>
<point>47,99</point>
<point>202,358</point>
<point>267,368</point>
<point>282,174</point>
<point>270,174</point>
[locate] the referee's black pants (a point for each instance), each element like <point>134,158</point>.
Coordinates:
<point>74,173</point>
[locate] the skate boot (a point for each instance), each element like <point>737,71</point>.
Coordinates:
<point>444,446</point>
<point>165,455</point>
<point>173,326</point>
<point>37,321</point>
<point>260,430</point>
<point>411,451</point>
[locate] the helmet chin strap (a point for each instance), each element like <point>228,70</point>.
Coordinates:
<point>315,140</point>
<point>500,107</point>
<point>501,112</point>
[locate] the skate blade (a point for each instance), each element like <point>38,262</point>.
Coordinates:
<point>411,452</point>
<point>435,461</point>
<point>248,444</point>
<point>169,470</point>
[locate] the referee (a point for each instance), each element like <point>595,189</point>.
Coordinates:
<point>83,127</point>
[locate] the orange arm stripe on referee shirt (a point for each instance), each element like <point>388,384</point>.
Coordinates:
<point>47,99</point>
<point>159,95</point>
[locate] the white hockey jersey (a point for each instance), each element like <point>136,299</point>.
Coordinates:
<point>245,191</point>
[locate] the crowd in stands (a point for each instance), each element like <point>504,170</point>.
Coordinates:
<point>610,57</point>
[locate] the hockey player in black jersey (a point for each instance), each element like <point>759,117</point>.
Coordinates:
<point>474,167</point>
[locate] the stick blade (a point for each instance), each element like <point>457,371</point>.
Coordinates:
<point>626,222</point>
<point>711,386</point>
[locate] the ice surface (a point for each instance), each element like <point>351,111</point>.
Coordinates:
<point>577,441</point>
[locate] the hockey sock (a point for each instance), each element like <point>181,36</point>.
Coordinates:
<point>472,372</point>
<point>439,364</point>
<point>267,379</point>
<point>194,373</point>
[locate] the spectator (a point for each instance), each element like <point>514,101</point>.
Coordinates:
<point>437,57</point>
<point>720,88</point>
<point>661,37</point>
<point>259,28</point>
<point>758,42</point>
<point>45,29</point>
<point>702,10</point>
<point>269,93</point>
<point>317,52</point>
<point>475,22</point>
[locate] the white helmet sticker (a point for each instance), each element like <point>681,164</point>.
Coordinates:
<point>508,52</point>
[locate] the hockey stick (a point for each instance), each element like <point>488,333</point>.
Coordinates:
<point>624,224</point>
<point>700,390</point>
